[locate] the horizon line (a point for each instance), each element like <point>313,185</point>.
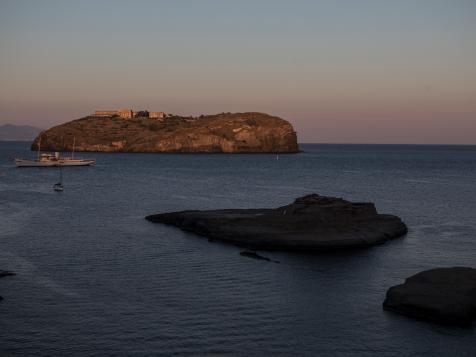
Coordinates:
<point>321,143</point>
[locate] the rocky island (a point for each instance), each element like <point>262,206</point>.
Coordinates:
<point>310,223</point>
<point>443,295</point>
<point>127,131</point>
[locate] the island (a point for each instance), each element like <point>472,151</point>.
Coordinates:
<point>310,223</point>
<point>442,295</point>
<point>143,131</point>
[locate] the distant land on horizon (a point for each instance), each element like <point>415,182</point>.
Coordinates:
<point>12,132</point>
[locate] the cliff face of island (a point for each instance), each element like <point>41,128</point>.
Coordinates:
<point>221,133</point>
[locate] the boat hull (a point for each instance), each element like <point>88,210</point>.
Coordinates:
<point>83,162</point>
<point>35,163</point>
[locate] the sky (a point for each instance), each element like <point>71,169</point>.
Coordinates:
<point>341,71</point>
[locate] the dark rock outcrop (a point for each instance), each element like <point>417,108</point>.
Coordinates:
<point>4,273</point>
<point>312,222</point>
<point>254,255</point>
<point>221,133</point>
<point>443,295</point>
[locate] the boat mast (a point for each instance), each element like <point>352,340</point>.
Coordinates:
<point>39,147</point>
<point>74,143</point>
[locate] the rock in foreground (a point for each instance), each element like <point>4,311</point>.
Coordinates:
<point>444,295</point>
<point>311,223</point>
<point>221,133</point>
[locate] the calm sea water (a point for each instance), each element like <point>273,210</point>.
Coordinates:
<point>95,279</point>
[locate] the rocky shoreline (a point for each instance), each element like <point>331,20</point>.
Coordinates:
<point>310,223</point>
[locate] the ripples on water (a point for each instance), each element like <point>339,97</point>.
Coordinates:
<point>94,278</point>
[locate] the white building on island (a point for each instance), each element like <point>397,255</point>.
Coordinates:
<point>127,114</point>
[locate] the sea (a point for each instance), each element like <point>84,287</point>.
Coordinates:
<point>94,278</point>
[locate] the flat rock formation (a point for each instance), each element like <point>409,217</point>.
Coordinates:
<point>311,223</point>
<point>221,133</point>
<point>444,295</point>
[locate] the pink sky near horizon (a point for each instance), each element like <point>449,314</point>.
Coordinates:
<point>376,72</point>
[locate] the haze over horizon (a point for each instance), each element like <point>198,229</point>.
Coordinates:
<point>339,71</point>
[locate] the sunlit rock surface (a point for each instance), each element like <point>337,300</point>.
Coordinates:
<point>221,133</point>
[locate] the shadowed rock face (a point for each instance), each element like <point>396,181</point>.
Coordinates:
<point>444,295</point>
<point>311,223</point>
<point>226,132</point>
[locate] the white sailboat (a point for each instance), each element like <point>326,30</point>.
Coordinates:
<point>53,160</point>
